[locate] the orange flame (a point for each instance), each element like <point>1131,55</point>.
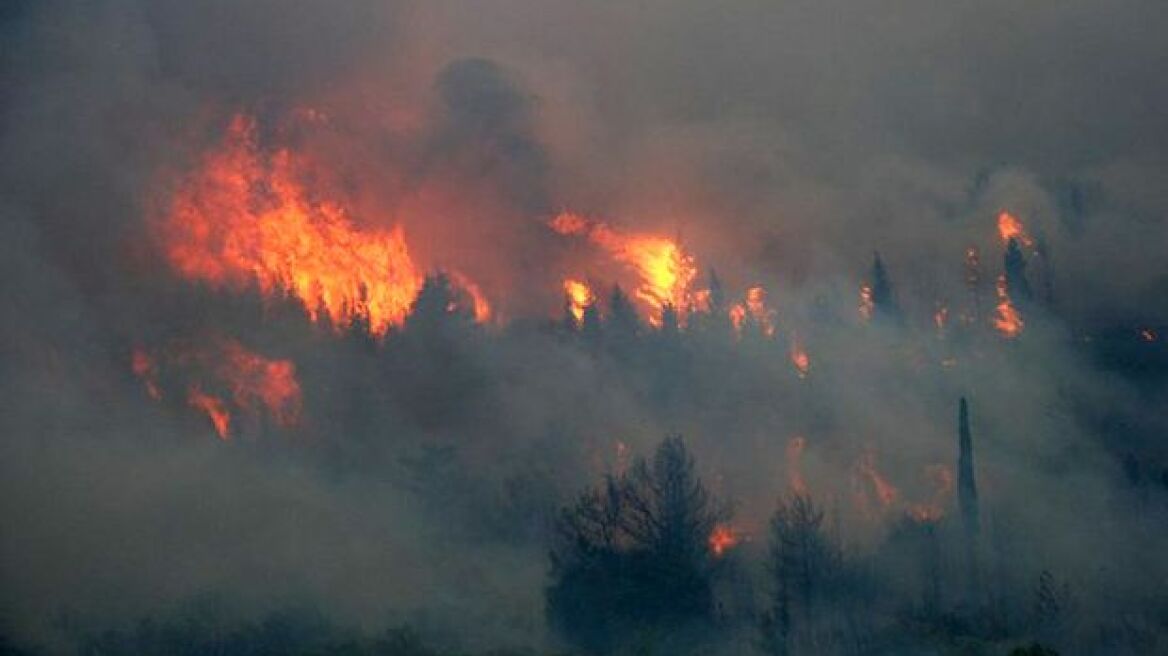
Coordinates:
<point>868,481</point>
<point>722,539</point>
<point>254,382</point>
<point>579,297</point>
<point>257,381</point>
<point>1009,227</point>
<point>215,409</point>
<point>941,318</point>
<point>242,219</point>
<point>665,270</point>
<point>1007,320</point>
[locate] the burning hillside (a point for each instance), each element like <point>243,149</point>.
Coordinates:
<point>561,327</point>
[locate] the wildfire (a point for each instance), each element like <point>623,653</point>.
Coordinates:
<point>867,306</point>
<point>244,218</point>
<point>1007,320</point>
<point>722,539</point>
<point>933,510</point>
<point>867,480</point>
<point>941,318</point>
<point>215,409</point>
<point>665,270</point>
<point>579,297</point>
<point>256,381</point>
<point>754,307</point>
<point>145,368</point>
<point>799,357</point>
<point>795,481</point>
<point>1009,227</point>
<point>253,383</point>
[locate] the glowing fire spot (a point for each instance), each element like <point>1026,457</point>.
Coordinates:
<point>256,381</point>
<point>934,509</point>
<point>665,270</point>
<point>252,382</point>
<point>480,305</point>
<point>243,218</point>
<point>799,357</point>
<point>1009,227</point>
<point>1007,320</point>
<point>867,306</point>
<point>941,318</point>
<point>579,297</point>
<point>722,539</point>
<point>869,482</point>
<point>145,368</point>
<point>215,409</point>
<point>795,481</point>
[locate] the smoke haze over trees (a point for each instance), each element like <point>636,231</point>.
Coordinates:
<point>859,416</point>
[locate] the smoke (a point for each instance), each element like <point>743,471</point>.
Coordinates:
<point>780,143</point>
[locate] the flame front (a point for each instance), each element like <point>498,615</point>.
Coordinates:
<point>252,382</point>
<point>243,218</point>
<point>666,272</point>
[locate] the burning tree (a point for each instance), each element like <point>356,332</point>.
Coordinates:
<point>633,555</point>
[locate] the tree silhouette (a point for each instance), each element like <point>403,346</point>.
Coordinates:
<point>883,296</point>
<point>803,565</point>
<point>632,555</point>
<point>1014,265</point>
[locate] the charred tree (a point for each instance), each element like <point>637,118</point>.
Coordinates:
<point>1014,266</point>
<point>883,296</point>
<point>967,496</point>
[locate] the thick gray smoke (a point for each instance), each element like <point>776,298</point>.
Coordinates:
<point>781,142</point>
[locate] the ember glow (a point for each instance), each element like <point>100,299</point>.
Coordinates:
<point>665,271</point>
<point>799,357</point>
<point>869,483</point>
<point>722,539</point>
<point>214,408</point>
<point>866,305</point>
<point>1006,319</point>
<point>244,218</point>
<point>146,369</point>
<point>941,479</point>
